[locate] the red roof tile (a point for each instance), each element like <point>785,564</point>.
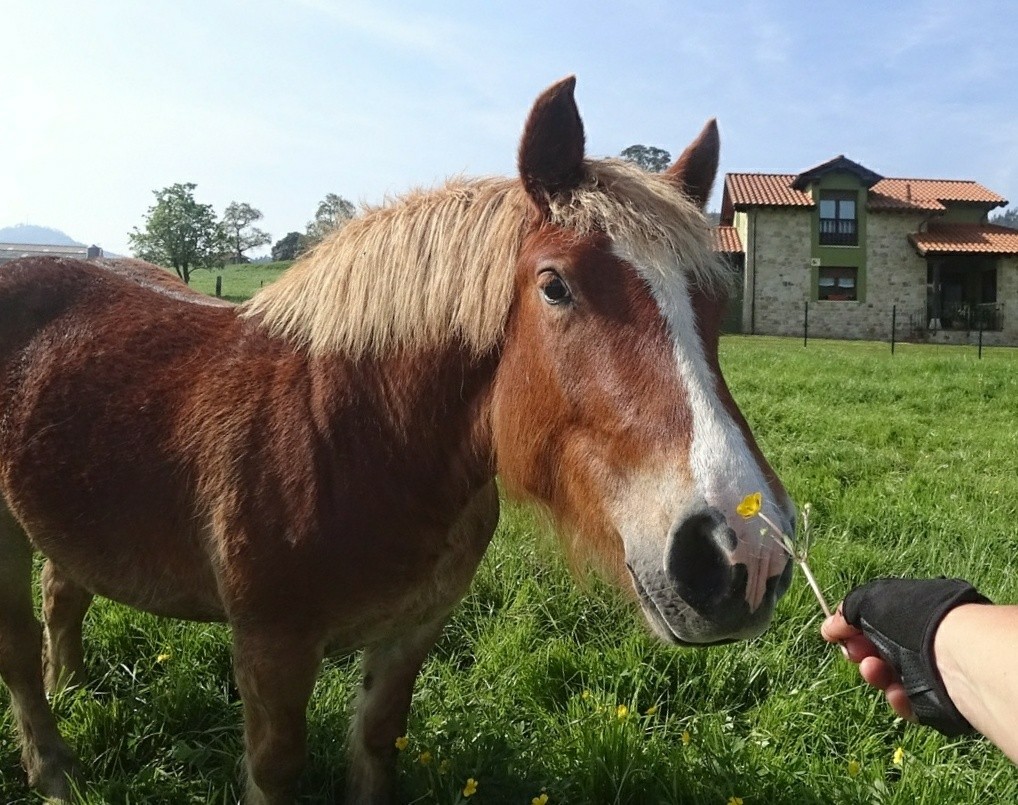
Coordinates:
<point>764,190</point>
<point>726,240</point>
<point>928,194</point>
<point>966,239</point>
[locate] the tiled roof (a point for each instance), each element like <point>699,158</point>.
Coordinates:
<point>765,190</point>
<point>966,239</point>
<point>726,240</point>
<point>928,194</point>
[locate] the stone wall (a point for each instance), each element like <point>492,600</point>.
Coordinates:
<point>777,248</point>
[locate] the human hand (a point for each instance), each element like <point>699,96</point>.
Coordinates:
<point>888,627</point>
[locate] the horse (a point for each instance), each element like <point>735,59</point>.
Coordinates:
<point>557,331</point>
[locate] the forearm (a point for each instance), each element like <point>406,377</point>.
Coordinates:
<point>976,648</point>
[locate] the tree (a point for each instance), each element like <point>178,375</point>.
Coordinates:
<point>180,233</point>
<point>333,212</point>
<point>647,157</point>
<point>237,222</point>
<point>289,247</point>
<point>1008,218</point>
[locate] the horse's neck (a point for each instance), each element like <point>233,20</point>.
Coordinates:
<point>429,411</point>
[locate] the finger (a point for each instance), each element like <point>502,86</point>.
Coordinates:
<point>836,629</point>
<point>878,673</point>
<point>858,648</point>
<point>898,699</point>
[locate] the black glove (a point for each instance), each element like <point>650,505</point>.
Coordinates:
<point>901,617</point>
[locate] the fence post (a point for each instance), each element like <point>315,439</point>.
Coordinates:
<point>219,286</point>
<point>894,322</point>
<point>805,325</point>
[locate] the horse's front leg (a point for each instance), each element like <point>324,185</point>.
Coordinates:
<point>276,672</point>
<point>389,671</point>
<point>64,605</point>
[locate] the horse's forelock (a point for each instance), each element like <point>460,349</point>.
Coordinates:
<point>434,266</point>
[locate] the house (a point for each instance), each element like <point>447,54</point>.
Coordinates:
<point>849,248</point>
<point>12,251</point>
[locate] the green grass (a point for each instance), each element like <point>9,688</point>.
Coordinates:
<point>911,464</point>
<point>240,281</point>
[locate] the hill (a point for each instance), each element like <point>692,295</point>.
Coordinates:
<point>36,235</point>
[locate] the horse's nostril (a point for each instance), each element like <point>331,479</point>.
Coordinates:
<point>696,562</point>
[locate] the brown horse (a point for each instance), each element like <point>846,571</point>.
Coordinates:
<point>316,467</point>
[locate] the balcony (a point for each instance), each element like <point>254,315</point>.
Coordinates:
<point>839,232</point>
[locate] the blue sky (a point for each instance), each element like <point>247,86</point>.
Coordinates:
<point>277,103</point>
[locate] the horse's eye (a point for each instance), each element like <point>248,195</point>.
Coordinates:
<point>553,288</point>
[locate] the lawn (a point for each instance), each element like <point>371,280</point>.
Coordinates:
<point>240,281</point>
<point>540,685</point>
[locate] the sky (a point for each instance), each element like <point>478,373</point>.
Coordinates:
<point>278,102</point>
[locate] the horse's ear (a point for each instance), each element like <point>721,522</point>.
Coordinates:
<point>551,150</point>
<point>695,169</point>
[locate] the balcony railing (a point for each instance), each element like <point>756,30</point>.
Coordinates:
<point>839,232</point>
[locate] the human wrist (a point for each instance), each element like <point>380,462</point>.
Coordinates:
<point>952,644</point>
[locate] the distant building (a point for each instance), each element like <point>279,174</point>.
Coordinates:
<point>14,251</point>
<point>854,246</point>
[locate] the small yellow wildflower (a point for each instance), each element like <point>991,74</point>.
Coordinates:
<point>402,742</point>
<point>470,788</point>
<point>750,505</point>
<point>735,801</point>
<point>650,710</point>
<point>899,756</point>
<point>854,768</point>
<point>162,658</point>
<point>585,695</point>
<point>424,758</point>
<point>541,800</point>
<point>621,711</point>
<point>686,737</point>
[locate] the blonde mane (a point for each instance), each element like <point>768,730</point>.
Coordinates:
<point>432,266</point>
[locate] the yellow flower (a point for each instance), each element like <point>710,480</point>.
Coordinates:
<point>162,658</point>
<point>621,711</point>
<point>585,695</point>
<point>424,758</point>
<point>854,768</point>
<point>650,710</point>
<point>402,742</point>
<point>899,756</point>
<point>470,788</point>
<point>686,738</point>
<point>750,505</point>
<point>735,801</point>
<point>541,800</point>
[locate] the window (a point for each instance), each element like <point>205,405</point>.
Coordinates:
<point>839,224</point>
<point>838,283</point>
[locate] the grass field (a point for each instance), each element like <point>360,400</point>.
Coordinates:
<point>537,685</point>
<point>240,281</point>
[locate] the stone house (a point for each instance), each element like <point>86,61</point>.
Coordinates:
<point>846,249</point>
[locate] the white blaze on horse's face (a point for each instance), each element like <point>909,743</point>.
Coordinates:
<point>703,573</point>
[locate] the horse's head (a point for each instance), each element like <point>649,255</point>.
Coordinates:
<point>610,407</point>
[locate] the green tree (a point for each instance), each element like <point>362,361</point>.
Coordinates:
<point>1008,218</point>
<point>180,233</point>
<point>287,248</point>
<point>647,157</point>
<point>237,221</point>
<point>333,211</point>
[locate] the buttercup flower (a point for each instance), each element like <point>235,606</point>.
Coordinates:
<point>162,658</point>
<point>541,800</point>
<point>470,788</point>
<point>402,742</point>
<point>899,756</point>
<point>424,758</point>
<point>650,710</point>
<point>735,801</point>
<point>621,711</point>
<point>686,737</point>
<point>854,768</point>
<point>585,695</point>
<point>750,505</point>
